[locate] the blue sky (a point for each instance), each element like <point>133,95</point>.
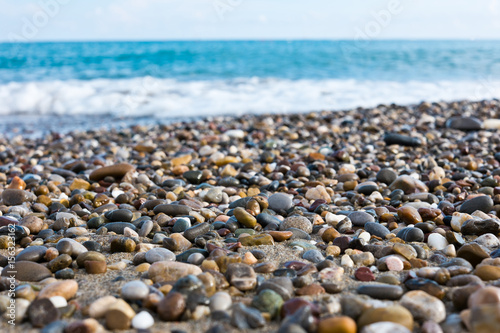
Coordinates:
<point>42,20</point>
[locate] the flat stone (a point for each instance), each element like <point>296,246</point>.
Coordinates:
<point>32,253</point>
<point>381,291</point>
<point>482,203</point>
<point>488,272</point>
<point>119,215</point>
<point>341,324</point>
<point>172,210</point>
<point>464,123</point>
<point>364,274</point>
<point>403,140</point>
<point>70,247</point>
<point>245,218</point>
<point>115,171</point>
<point>480,227</point>
<point>33,223</point>
<point>27,271</point>
<point>256,240</point>
<point>197,230</point>
<point>164,271</point>
<point>376,229</point>
<point>14,197</point>
<point>66,289</point>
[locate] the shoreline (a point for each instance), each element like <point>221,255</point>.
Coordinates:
<point>315,208</point>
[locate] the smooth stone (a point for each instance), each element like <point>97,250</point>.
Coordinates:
<point>172,210</point>
<point>196,258</point>
<point>282,285</point>
<point>27,271</point>
<point>245,218</point>
<point>480,227</point>
<point>71,247</point>
<point>484,295</point>
<point>64,274</point>
<point>264,219</point>
<point>424,306</point>
<point>280,202</point>
<point>376,229</point>
<point>181,225</point>
<point>193,176</point>
<point>411,235</point>
<point>488,240</point>
<point>142,321</point>
<point>197,230</point>
<point>364,274</point>
<point>159,254</point>
<point>14,197</point>
<point>485,318</point>
<point>360,218</point>
<point>408,184</point>
<point>297,221</point>
<point>387,176</point>
<point>314,256</point>
<point>437,241</point>
<point>381,291</point>
<point>464,123</point>
<point>394,313</point>
<point>134,291</point>
<point>122,244</point>
<point>92,246</point>
<point>146,228</point>
<point>473,253</point>
<point>119,215</point>
<point>89,256</point>
<point>119,315</point>
<point>487,272</point>
<point>96,267</point>
<point>341,324</point>
<point>33,223</point>
<point>183,257</point>
<point>405,250</point>
<point>268,301</point>
<point>32,253</point>
<point>66,289</point>
<point>220,301</point>
<point>164,271</point>
<point>403,140</point>
<point>256,240</point>
<point>482,203</point>
<point>119,227</point>
<point>117,171</point>
<point>42,312</point>
<point>171,307</point>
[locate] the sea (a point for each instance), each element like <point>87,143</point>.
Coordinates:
<point>162,80</point>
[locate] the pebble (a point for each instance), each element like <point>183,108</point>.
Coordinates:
<point>385,326</point>
<point>341,324</point>
<point>298,222</point>
<point>280,202</point>
<point>360,218</point>
<point>482,203</point>
<point>423,306</point>
<point>395,314</point>
<point>437,241</point>
<point>159,254</point>
<point>66,289</point>
<point>27,271</point>
<point>42,312</point>
<point>171,307</point>
<point>163,271</point>
<point>381,291</point>
<point>376,229</point>
<point>134,291</point>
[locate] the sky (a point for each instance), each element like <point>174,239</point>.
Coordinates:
<point>74,20</point>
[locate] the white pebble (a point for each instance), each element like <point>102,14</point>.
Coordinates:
<point>143,320</point>
<point>58,301</point>
<point>437,242</point>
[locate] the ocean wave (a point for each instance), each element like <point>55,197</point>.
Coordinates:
<point>165,98</point>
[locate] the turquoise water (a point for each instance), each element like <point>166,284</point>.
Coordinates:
<point>166,79</point>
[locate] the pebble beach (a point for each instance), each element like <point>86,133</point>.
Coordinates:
<point>368,220</point>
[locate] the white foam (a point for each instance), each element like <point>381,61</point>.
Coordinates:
<point>171,98</point>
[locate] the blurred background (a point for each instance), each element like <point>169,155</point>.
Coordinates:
<point>175,58</point>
